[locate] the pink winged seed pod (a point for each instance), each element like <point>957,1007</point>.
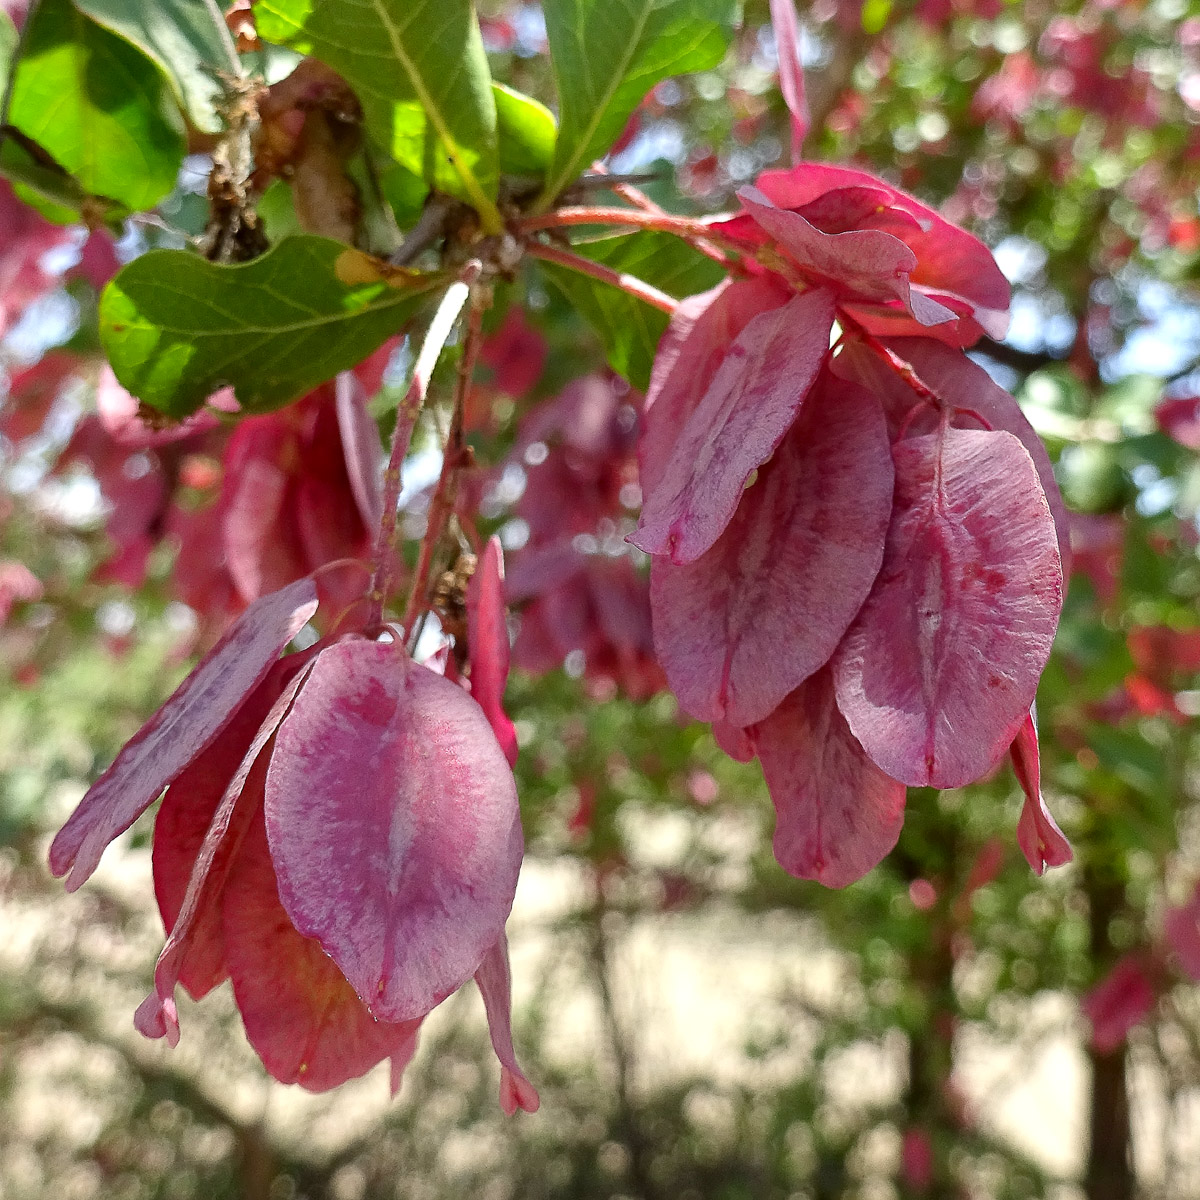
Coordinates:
<point>857,552</point>
<point>340,838</point>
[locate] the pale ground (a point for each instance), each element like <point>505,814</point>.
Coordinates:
<point>685,987</point>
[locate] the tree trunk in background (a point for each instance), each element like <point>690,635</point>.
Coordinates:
<point>1109,1174</point>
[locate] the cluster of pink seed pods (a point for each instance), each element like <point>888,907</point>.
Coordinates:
<point>857,568</point>
<point>340,837</point>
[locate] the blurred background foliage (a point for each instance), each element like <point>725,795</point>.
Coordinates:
<point>699,1024</point>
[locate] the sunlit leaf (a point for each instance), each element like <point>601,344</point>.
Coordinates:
<point>630,328</point>
<point>420,72</point>
<point>177,327</point>
<point>527,132</point>
<point>608,54</point>
<point>98,106</point>
<point>189,41</point>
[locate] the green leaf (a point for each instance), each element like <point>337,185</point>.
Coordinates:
<point>98,106</point>
<point>528,132</point>
<point>44,184</point>
<point>629,328</point>
<point>420,72</point>
<point>177,327</point>
<point>608,54</point>
<point>8,48</point>
<point>188,40</point>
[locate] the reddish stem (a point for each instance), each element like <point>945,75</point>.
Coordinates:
<point>406,419</point>
<point>893,360</point>
<point>618,279</point>
<point>456,455</point>
<point>688,228</point>
<point>635,196</point>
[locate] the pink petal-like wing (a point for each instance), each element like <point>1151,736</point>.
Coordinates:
<point>183,821</point>
<point>766,606</point>
<point>735,741</point>
<point>968,388</point>
<point>948,258</point>
<point>1040,839</point>
<point>495,985</point>
<point>202,705</point>
<point>838,813</point>
<point>940,668</point>
<point>701,331</point>
<point>749,406</point>
<point>1182,927</point>
<point>392,817</point>
<point>191,941</point>
<point>791,69</point>
<point>301,1016</point>
<point>1118,1003</point>
<point>806,182</point>
<point>864,263</point>
<point>403,1055</point>
<point>487,639</point>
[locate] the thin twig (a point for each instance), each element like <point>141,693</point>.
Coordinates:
<point>618,279</point>
<point>442,503</point>
<point>406,418</point>
<point>689,228</point>
<point>625,187</point>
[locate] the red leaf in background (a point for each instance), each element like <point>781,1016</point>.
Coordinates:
<point>791,70</point>
<point>262,546</point>
<point>515,352</point>
<point>702,329</point>
<point>1182,927</point>
<point>202,705</point>
<point>1098,551</point>
<point>742,417</point>
<point>767,604</point>
<point>1164,654</point>
<point>1119,1002</point>
<point>393,822</point>
<point>1038,834</point>
<point>487,639</point>
<point>32,392</point>
<point>495,985</point>
<point>838,813</point>
<point>1008,93</point>
<point>1150,700</point>
<point>201,576</point>
<point>1179,417</point>
<point>302,1017</point>
<point>371,370</point>
<point>18,584</point>
<point>940,668</point>
<point>917,1159</point>
<point>98,261</point>
<point>120,416</point>
<point>289,501</point>
<point>27,237</point>
<point>595,604</point>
